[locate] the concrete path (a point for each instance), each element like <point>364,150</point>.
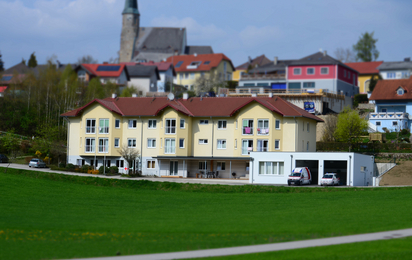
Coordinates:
<point>268,247</point>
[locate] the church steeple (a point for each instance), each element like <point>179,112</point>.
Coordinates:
<point>130,7</point>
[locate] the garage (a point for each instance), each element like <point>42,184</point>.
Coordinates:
<point>353,169</point>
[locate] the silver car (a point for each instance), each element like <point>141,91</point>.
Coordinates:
<point>37,163</point>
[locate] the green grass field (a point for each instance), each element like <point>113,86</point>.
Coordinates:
<point>49,216</point>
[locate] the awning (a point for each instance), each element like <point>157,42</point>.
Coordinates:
<point>208,158</point>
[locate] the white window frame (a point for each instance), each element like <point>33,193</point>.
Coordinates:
<point>151,143</point>
<point>91,127</point>
<point>152,124</point>
<point>324,68</point>
<point>307,71</point>
<point>394,123</point>
<point>117,145</point>
<point>378,123</point>
<point>192,75</point>
<point>204,122</point>
<point>276,122</point>
<point>203,141</point>
<point>222,124</point>
<point>400,91</point>
<point>170,130</point>
<point>180,143</point>
<point>104,129</point>
<point>170,149</point>
<point>221,144</point>
<point>260,128</point>
<point>133,124</point>
<point>271,164</point>
<point>117,124</point>
<point>296,70</point>
<point>202,166</point>
<point>184,124</point>
<point>248,125</point>
<point>91,146</point>
<point>249,148</point>
<point>221,166</point>
<point>263,141</point>
<point>277,144</point>
<point>104,146</point>
<point>131,143</point>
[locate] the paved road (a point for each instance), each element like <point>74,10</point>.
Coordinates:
<point>268,247</point>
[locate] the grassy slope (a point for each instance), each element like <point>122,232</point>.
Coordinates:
<point>47,216</point>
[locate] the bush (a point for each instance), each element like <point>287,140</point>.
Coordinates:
<point>28,159</point>
<point>114,170</point>
<point>62,165</point>
<point>102,170</point>
<point>360,98</point>
<point>85,168</point>
<point>70,167</point>
<point>405,132</point>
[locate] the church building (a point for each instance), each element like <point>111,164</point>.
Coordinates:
<point>145,44</point>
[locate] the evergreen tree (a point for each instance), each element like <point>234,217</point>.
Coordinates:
<point>365,48</point>
<point>374,80</point>
<point>32,61</point>
<point>1,64</point>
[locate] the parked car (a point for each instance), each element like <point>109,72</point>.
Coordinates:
<point>37,163</point>
<point>3,159</point>
<point>300,176</point>
<point>330,179</point>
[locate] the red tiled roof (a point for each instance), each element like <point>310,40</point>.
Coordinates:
<point>365,67</point>
<point>196,107</point>
<point>260,61</point>
<point>213,59</point>
<point>387,89</point>
<point>92,69</point>
<point>161,66</point>
<point>2,89</point>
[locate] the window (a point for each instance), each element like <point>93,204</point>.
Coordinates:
<point>202,74</point>
<point>206,63</point>
<point>119,163</point>
<point>221,166</point>
<point>400,91</point>
<point>132,123</point>
<point>221,124</point>
<point>204,122</point>
<point>186,75</point>
<point>263,127</point>
<point>303,126</point>
<point>81,75</point>
<point>344,73</point>
<point>249,85</point>
<point>378,123</point>
<point>271,168</point>
<point>152,123</point>
<point>247,128</point>
<point>221,144</point>
<point>384,110</point>
<point>203,141</point>
<point>394,123</point>
<point>103,145</point>
<point>262,145</point>
<point>307,127</point>
<point>324,71</point>
<point>151,143</point>
<point>117,123</point>
<point>297,71</point>
<point>151,164</point>
<point>202,165</point>
<point>192,75</point>
<point>308,84</point>
<point>131,142</point>
<point>179,64</point>
<point>103,126</point>
<point>224,67</point>
<point>170,126</point>
<point>294,86</point>
<point>310,71</point>
<point>90,145</point>
<point>182,123</point>
<point>247,146</point>
<point>90,126</point>
<point>117,142</point>
<point>181,143</point>
<point>170,146</point>
<point>348,74</point>
<point>195,63</point>
<point>307,146</point>
<point>277,144</point>
<point>277,124</point>
<point>391,75</point>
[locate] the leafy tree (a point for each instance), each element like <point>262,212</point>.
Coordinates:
<point>1,64</point>
<point>94,90</point>
<point>32,61</point>
<point>365,48</point>
<point>374,80</point>
<point>87,59</point>
<point>130,155</point>
<point>207,83</point>
<point>11,143</point>
<point>128,92</point>
<point>350,127</point>
<point>329,128</point>
<point>345,55</point>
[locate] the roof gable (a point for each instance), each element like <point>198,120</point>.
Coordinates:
<point>103,70</point>
<point>370,67</point>
<point>387,90</point>
<point>206,62</point>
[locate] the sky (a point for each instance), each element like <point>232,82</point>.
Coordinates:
<point>293,29</point>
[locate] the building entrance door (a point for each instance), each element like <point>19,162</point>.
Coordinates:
<point>173,168</point>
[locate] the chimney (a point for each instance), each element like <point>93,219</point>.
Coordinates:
<point>324,53</point>
<point>114,95</point>
<point>275,61</point>
<point>195,54</point>
<point>185,96</point>
<point>134,95</point>
<point>270,95</point>
<point>407,59</point>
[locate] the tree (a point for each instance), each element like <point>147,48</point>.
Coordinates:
<point>329,128</point>
<point>130,155</point>
<point>350,127</point>
<point>1,64</point>
<point>365,48</point>
<point>374,80</point>
<point>128,92</point>
<point>11,143</point>
<point>345,55</point>
<point>32,61</point>
<point>86,59</point>
<point>207,83</point>
<point>94,90</point>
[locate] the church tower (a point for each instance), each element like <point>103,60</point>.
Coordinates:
<point>130,30</point>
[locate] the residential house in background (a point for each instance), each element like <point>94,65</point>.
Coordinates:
<point>366,71</point>
<point>250,64</point>
<point>115,73</point>
<point>191,67</point>
<point>167,74</point>
<point>396,69</point>
<point>393,105</point>
<point>189,136</point>
<point>143,78</point>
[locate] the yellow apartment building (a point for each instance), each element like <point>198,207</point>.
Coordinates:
<point>187,137</point>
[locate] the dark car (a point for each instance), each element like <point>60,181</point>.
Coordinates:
<point>3,159</point>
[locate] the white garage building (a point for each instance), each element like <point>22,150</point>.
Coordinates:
<point>274,167</point>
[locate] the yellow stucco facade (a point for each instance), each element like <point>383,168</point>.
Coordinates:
<point>364,82</point>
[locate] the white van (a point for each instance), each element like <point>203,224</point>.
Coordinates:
<point>300,176</point>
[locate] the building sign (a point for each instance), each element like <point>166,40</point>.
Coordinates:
<point>310,107</point>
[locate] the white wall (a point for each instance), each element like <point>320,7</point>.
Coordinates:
<point>141,84</point>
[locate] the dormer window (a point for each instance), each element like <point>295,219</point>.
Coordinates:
<point>400,91</point>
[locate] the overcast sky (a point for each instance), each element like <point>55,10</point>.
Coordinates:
<point>290,29</point>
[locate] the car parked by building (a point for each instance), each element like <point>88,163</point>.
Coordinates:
<point>330,179</point>
<point>3,159</point>
<point>300,176</point>
<point>37,163</point>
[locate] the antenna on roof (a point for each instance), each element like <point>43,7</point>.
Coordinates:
<point>171,96</point>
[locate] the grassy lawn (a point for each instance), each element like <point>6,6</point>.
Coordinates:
<point>48,216</point>
<point>376,250</point>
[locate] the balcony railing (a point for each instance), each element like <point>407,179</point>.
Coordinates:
<point>262,76</point>
<point>262,131</point>
<point>89,148</point>
<point>170,129</point>
<point>90,130</point>
<point>247,150</point>
<point>262,149</point>
<point>247,130</point>
<point>389,115</point>
<point>104,130</point>
<point>103,148</point>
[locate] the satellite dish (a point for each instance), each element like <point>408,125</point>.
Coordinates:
<point>170,96</point>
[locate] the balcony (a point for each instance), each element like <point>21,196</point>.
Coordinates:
<point>262,131</point>
<point>389,115</point>
<point>262,76</point>
<point>247,130</point>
